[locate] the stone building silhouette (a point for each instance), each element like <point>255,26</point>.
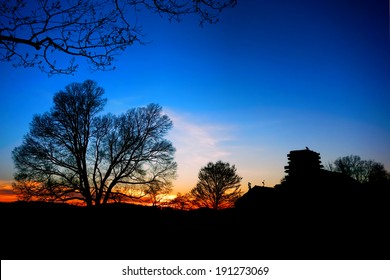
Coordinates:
<point>303,165</point>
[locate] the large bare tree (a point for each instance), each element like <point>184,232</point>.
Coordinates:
<point>74,153</point>
<point>218,186</point>
<point>44,33</point>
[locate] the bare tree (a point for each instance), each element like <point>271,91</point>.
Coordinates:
<point>218,186</point>
<point>44,32</point>
<point>157,191</point>
<point>364,171</point>
<point>181,202</point>
<point>73,153</point>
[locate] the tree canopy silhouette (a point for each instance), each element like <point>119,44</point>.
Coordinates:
<point>364,171</point>
<point>218,186</point>
<point>73,152</point>
<point>41,32</point>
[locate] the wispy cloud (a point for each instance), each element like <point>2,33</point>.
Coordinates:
<point>196,144</point>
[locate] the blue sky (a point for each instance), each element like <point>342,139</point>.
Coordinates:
<point>270,77</point>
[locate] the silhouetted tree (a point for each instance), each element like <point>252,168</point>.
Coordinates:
<point>181,202</point>
<point>218,186</point>
<point>42,32</point>
<point>364,171</point>
<point>72,152</point>
<point>157,191</point>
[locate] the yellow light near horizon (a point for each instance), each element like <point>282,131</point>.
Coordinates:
<point>167,197</point>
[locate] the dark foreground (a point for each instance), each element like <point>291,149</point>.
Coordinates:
<point>273,230</point>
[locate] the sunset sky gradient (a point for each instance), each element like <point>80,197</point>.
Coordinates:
<point>270,77</point>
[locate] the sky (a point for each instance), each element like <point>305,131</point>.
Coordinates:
<point>268,78</point>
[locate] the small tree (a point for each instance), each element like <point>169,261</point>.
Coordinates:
<point>157,191</point>
<point>72,153</point>
<point>181,202</point>
<point>218,186</point>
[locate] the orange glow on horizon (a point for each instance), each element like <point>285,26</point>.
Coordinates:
<point>8,197</point>
<point>6,192</point>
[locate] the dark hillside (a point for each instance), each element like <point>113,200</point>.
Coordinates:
<point>123,231</point>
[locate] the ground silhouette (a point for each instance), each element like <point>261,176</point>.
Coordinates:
<point>121,231</point>
<point>315,215</point>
